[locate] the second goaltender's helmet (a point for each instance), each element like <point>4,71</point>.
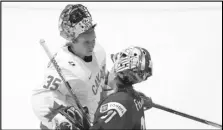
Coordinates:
<point>132,65</point>
<point>74,20</point>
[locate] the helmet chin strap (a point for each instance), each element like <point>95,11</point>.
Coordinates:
<point>88,58</point>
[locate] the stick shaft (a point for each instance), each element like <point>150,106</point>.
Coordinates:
<point>43,43</point>
<point>186,115</point>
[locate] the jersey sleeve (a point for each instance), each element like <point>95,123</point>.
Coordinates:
<point>113,115</point>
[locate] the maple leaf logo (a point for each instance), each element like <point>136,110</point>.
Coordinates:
<point>53,111</point>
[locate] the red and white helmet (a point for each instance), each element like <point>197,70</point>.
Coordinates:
<point>74,20</point>
<point>132,65</point>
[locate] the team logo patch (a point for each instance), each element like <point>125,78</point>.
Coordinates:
<point>104,108</point>
<point>113,106</point>
<point>109,116</point>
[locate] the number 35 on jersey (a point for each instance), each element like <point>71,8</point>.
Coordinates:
<point>52,83</point>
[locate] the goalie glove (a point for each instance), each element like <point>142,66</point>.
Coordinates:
<point>60,122</point>
<point>69,118</point>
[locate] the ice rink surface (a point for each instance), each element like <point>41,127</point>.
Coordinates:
<point>184,39</point>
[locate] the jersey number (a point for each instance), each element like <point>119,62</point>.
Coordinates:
<point>52,83</point>
<point>143,124</point>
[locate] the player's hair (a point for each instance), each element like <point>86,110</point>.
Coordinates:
<point>130,90</point>
<point>127,87</point>
<point>135,94</point>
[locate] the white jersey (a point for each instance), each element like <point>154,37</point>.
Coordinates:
<point>85,78</point>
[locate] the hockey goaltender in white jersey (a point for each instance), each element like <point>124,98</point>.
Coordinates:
<point>86,78</point>
<point>83,64</point>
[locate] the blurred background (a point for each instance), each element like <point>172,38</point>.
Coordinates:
<point>184,39</point>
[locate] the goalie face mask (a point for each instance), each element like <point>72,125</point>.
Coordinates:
<point>74,20</point>
<point>132,65</point>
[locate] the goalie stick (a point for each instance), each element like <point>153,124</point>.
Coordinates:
<point>185,115</point>
<point>71,91</point>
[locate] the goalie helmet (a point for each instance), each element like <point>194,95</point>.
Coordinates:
<point>132,65</point>
<point>74,20</point>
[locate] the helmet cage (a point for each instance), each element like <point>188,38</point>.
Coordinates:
<point>134,59</point>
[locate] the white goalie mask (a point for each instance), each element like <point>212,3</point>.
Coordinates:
<point>133,64</point>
